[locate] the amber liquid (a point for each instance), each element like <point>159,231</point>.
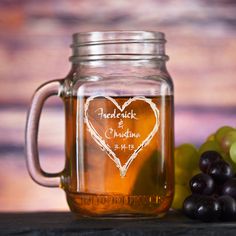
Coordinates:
<point>94,183</point>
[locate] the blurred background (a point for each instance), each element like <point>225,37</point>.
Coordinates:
<point>34,48</point>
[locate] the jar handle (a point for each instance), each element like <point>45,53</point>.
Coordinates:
<point>41,177</point>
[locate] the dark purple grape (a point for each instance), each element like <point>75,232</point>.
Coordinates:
<point>229,188</point>
<point>220,171</point>
<point>202,184</point>
<point>228,208</point>
<point>207,158</point>
<point>190,206</point>
<point>204,208</point>
<point>208,209</point>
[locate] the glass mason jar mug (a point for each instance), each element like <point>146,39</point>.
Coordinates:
<point>119,137</point>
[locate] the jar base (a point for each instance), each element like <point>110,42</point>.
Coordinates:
<point>120,217</point>
<point>116,206</point>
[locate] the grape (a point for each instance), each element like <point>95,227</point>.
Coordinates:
<point>229,188</point>
<point>207,159</point>
<point>209,146</point>
<point>182,176</point>
<point>232,152</point>
<point>228,208</point>
<point>208,209</point>
<point>211,137</point>
<point>221,132</point>
<point>186,157</point>
<point>200,207</point>
<point>220,171</point>
<point>181,192</point>
<point>190,206</point>
<point>227,140</point>
<point>202,184</point>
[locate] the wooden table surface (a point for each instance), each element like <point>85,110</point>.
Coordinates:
<point>64,223</point>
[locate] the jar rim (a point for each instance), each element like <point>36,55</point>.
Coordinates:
<point>119,36</point>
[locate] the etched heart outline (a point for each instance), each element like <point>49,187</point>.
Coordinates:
<point>102,143</point>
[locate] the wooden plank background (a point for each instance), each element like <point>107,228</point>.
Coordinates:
<point>34,48</point>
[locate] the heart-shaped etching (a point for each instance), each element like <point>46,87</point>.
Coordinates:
<point>101,140</point>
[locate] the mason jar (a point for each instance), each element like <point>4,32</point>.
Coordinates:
<point>119,126</point>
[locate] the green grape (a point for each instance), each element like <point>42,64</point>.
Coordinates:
<point>182,176</point>
<point>209,146</point>
<point>186,157</point>
<point>232,152</point>
<point>221,132</point>
<point>227,140</point>
<point>181,192</point>
<point>211,137</point>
